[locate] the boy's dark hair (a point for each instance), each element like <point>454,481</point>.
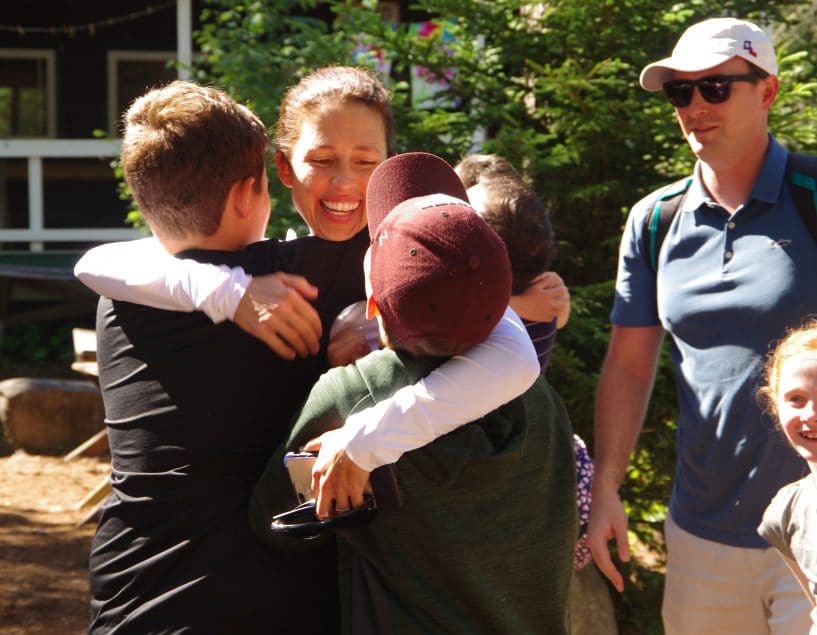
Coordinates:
<point>474,168</point>
<point>514,212</point>
<point>184,147</point>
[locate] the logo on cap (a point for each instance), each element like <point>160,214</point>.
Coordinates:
<point>747,46</point>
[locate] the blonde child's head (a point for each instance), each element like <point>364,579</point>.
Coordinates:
<point>790,392</point>
<point>796,342</point>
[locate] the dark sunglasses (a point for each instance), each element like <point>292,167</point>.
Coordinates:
<point>714,88</point>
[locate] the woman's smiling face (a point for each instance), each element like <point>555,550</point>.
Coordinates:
<point>337,149</point>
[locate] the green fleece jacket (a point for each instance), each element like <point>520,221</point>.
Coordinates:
<point>484,541</point>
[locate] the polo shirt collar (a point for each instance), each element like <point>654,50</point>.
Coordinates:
<point>767,186</point>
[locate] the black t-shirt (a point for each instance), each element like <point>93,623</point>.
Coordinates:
<point>193,412</point>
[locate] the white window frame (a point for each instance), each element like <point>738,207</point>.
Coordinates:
<point>49,57</point>
<point>114,58</point>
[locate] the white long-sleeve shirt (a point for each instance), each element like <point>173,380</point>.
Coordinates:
<point>460,390</point>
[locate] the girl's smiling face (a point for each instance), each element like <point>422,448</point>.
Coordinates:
<point>337,149</point>
<point>797,404</point>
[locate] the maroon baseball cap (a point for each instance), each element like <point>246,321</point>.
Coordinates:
<point>438,271</point>
<point>406,176</point>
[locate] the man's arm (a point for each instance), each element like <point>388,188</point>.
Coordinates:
<point>622,396</point>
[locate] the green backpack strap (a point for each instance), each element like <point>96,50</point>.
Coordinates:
<point>657,222</point>
<point>801,170</point>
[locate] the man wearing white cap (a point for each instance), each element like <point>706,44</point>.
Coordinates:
<point>737,267</point>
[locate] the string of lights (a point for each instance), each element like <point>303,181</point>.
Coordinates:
<point>91,27</point>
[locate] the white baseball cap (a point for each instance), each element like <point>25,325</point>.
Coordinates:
<point>709,43</point>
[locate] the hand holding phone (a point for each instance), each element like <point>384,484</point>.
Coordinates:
<point>382,483</point>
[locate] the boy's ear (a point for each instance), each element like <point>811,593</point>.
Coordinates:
<point>284,167</point>
<point>240,196</point>
<point>371,308</point>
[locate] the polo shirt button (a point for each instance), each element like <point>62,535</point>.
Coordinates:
<point>728,255</point>
<point>731,224</point>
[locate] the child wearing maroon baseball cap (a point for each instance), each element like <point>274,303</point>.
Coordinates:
<point>438,276</point>
<point>484,540</point>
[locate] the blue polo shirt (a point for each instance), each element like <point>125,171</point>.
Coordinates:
<point>727,289</point>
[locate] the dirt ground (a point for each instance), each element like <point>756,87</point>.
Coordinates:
<point>43,554</point>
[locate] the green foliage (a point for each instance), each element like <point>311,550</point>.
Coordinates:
<point>38,343</point>
<point>574,367</point>
<point>792,117</point>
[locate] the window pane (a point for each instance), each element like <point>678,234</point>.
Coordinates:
<point>23,94</point>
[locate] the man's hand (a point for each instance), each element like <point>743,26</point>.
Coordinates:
<point>275,309</point>
<point>337,483</point>
<point>347,346</point>
<point>546,298</point>
<point>607,521</point>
